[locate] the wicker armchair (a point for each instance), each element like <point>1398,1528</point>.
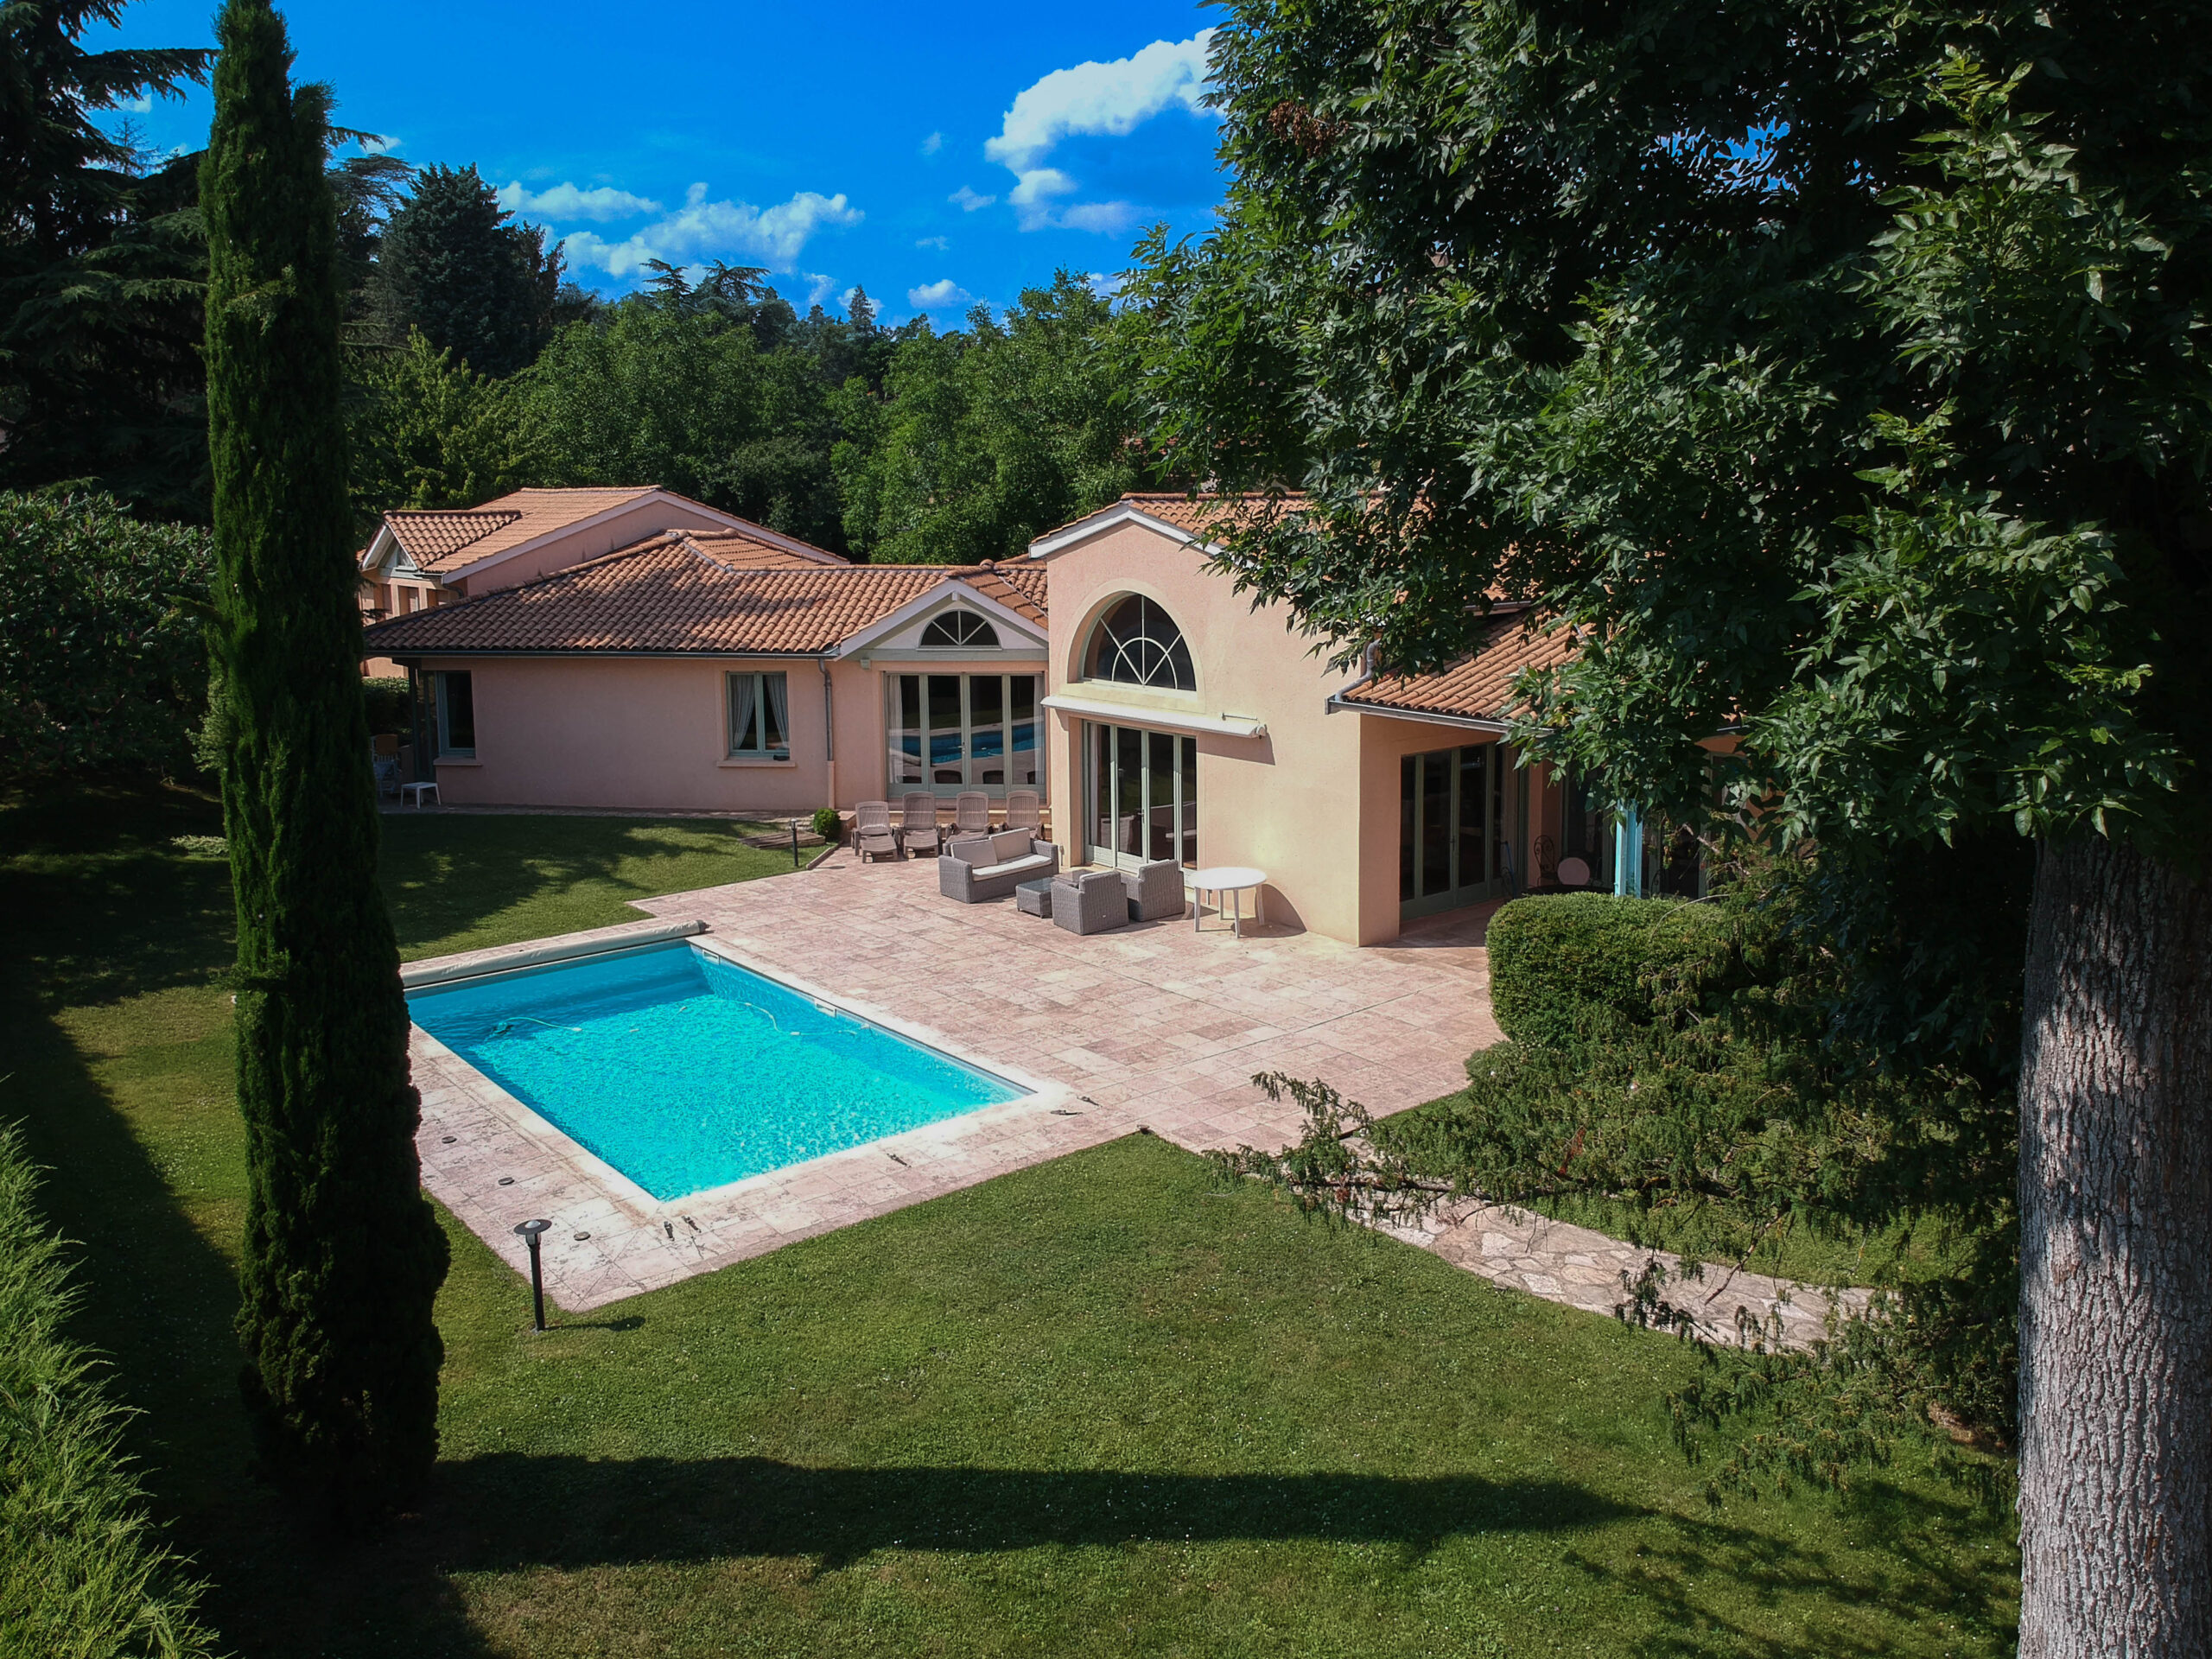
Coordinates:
<point>1154,891</point>
<point>1089,902</point>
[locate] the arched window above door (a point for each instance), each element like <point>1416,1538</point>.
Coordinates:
<point>1138,644</point>
<point>956,630</point>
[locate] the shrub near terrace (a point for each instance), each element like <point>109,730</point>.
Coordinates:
<point>1553,957</point>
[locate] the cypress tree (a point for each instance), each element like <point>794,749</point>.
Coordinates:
<point>343,1256</point>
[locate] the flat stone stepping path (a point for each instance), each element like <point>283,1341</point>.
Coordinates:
<point>1562,1262</point>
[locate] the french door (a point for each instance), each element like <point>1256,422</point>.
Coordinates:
<point>1142,796</point>
<point>1454,847</point>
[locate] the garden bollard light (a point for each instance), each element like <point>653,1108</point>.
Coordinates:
<point>530,1230</point>
<point>794,843</point>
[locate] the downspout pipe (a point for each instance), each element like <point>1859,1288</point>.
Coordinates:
<point>829,735</point>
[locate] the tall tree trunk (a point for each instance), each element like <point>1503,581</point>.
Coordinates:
<point>2116,1258</point>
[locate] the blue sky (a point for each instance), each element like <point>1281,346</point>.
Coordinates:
<point>937,158</point>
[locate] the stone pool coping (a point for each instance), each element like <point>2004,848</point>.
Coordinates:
<point>493,1160</point>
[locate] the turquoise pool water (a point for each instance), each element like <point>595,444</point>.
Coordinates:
<point>685,1072</point>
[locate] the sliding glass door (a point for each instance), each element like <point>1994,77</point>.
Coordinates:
<point>1453,844</point>
<point>950,731</point>
<point>1142,796</point>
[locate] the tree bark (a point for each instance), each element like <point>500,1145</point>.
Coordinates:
<point>2116,1258</point>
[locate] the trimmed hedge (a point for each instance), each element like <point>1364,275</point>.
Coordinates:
<point>1555,956</point>
<point>83,1573</point>
<point>103,646</point>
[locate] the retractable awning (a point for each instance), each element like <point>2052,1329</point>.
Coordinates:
<point>1170,720</point>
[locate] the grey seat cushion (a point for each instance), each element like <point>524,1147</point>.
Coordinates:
<point>1014,867</point>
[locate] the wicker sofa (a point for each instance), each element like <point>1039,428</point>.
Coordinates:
<point>977,868</point>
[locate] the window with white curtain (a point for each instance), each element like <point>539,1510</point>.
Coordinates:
<point>760,717</point>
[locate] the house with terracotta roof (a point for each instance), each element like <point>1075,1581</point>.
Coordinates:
<point>1161,713</point>
<point>417,559</point>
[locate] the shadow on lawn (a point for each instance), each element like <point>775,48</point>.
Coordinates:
<point>574,1512</point>
<point>445,875</point>
<point>1934,1580</point>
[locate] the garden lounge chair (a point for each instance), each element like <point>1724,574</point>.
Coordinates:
<point>977,868</point>
<point>971,813</point>
<point>1089,902</point>
<point>1022,810</point>
<point>872,836</point>
<point>1154,891</point>
<point>918,832</point>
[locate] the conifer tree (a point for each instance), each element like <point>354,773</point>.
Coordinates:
<point>456,265</point>
<point>343,1256</point>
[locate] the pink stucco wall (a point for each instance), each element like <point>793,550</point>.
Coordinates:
<point>650,734</point>
<point>1290,802</point>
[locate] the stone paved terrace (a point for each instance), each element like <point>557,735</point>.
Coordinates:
<point>1155,1026</point>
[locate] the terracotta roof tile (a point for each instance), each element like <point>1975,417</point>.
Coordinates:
<point>1480,687</point>
<point>427,537</point>
<point>739,549</point>
<point>664,595</point>
<point>1193,515</point>
<point>1019,588</point>
<point>509,521</point>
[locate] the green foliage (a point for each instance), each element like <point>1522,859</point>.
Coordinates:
<point>1841,374</point>
<point>1554,956</point>
<point>455,266</point>
<point>102,658</point>
<point>671,390</point>
<point>427,431</point>
<point>391,704</point>
<point>83,1572</point>
<point>828,824</point>
<point>342,1256</point>
<point>982,441</point>
<point>100,269</point>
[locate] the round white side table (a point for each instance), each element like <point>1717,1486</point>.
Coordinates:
<point>1233,879</point>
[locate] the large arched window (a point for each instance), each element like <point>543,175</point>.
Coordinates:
<point>1138,644</point>
<point>953,629</point>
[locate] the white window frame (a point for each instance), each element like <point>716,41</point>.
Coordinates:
<point>760,717</point>
<point>894,759</point>
<point>445,750</point>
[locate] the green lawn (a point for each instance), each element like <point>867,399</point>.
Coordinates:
<point>1096,1406</point>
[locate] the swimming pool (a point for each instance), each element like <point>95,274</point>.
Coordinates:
<point>685,1071</point>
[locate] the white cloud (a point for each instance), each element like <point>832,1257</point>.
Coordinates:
<point>381,144</point>
<point>938,295</point>
<point>775,235</point>
<point>940,243</point>
<point>819,289</point>
<point>967,201</point>
<point>1108,218</point>
<point>1033,192</point>
<point>567,201</point>
<point>933,143</point>
<point>140,105</point>
<point>1108,98</point>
